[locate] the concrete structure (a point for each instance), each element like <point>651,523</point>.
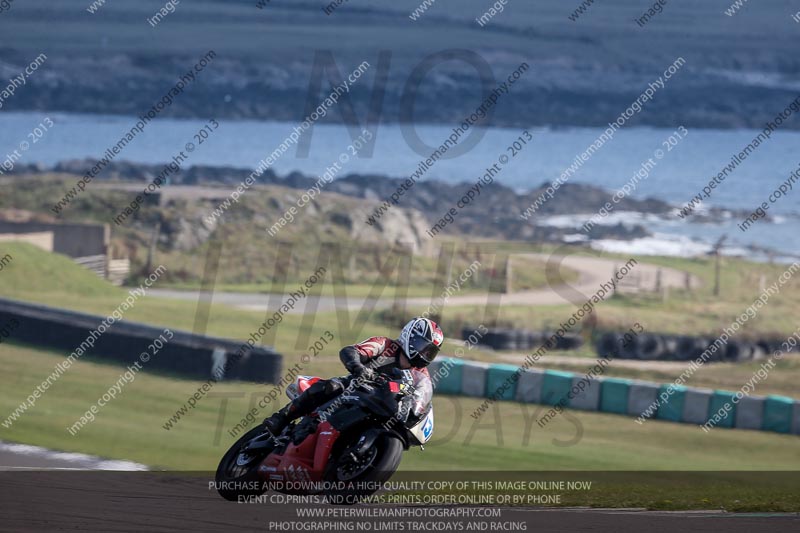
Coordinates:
<point>86,244</point>
<point>72,240</point>
<point>42,239</point>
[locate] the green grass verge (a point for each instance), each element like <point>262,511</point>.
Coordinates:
<point>51,279</point>
<point>688,312</point>
<point>54,280</point>
<point>506,438</point>
<point>248,264</point>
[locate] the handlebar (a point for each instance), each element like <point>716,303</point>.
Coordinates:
<point>381,378</point>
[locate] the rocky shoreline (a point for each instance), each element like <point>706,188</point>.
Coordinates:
<point>496,213</point>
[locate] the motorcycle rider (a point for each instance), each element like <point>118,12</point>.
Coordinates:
<point>419,342</point>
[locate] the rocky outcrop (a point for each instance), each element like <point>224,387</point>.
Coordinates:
<point>496,213</point>
<point>402,227</point>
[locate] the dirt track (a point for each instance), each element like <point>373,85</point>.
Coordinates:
<point>593,271</point>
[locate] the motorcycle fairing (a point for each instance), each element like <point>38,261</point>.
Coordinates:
<point>305,461</point>
<point>300,385</point>
<point>423,430</point>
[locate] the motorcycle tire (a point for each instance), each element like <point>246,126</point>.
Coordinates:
<point>609,346</point>
<point>224,478</point>
<point>649,347</point>
<point>389,452</point>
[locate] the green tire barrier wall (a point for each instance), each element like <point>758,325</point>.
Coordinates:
<point>695,406</point>
<point>529,386</point>
<point>750,412</point>
<point>501,378</point>
<point>778,414</point>
<point>641,397</point>
<point>719,400</point>
<point>634,398</point>
<point>588,397</point>
<point>672,408</point>
<point>473,380</point>
<point>446,375</point>
<point>614,395</point>
<point>556,386</point>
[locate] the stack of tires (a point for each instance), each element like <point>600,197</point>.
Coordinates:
<point>522,340</point>
<point>661,347</point>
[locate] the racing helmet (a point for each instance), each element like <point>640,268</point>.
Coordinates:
<point>421,340</point>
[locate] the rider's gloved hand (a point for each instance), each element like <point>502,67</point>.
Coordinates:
<point>364,373</point>
<point>395,372</point>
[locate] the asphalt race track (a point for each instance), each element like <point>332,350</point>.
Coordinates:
<point>156,501</point>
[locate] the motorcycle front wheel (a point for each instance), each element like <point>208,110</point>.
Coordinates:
<point>237,471</point>
<point>375,466</point>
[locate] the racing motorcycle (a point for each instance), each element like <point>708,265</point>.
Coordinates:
<point>355,440</point>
